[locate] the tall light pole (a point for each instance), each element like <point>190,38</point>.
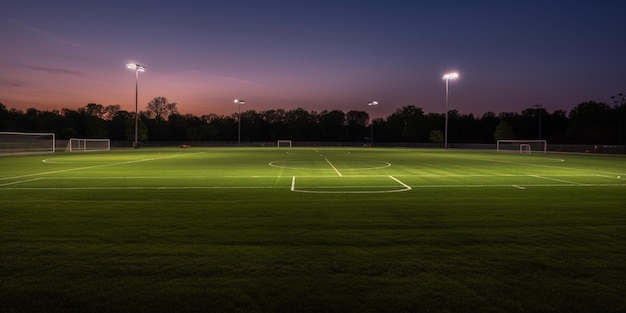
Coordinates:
<point>137,68</point>
<point>239,102</point>
<point>538,108</point>
<point>447,78</point>
<point>372,104</point>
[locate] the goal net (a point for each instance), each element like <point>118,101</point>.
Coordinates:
<point>26,143</point>
<point>283,143</point>
<point>522,146</point>
<point>82,145</point>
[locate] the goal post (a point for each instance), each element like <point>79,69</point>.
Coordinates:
<point>26,143</point>
<point>87,144</point>
<point>283,143</point>
<point>522,146</point>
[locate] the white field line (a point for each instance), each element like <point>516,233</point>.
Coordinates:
<point>90,167</point>
<point>293,187</point>
<point>401,183</point>
<point>143,188</point>
<point>334,168</point>
<point>561,183</point>
<point>19,182</point>
<point>538,165</point>
<point>555,179</point>
<point>358,189</point>
<point>520,186</point>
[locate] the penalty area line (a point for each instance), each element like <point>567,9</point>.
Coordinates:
<point>401,183</point>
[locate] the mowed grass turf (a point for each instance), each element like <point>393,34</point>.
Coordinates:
<point>312,230</point>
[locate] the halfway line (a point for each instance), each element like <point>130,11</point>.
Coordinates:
<point>334,168</point>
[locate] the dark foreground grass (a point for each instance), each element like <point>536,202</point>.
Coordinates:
<point>430,249</point>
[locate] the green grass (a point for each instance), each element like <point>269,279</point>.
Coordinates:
<point>312,230</point>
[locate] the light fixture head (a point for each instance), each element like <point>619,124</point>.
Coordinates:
<point>238,101</point>
<point>448,76</point>
<point>373,103</point>
<point>135,66</point>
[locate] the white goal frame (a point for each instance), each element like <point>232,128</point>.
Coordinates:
<point>13,143</point>
<point>283,143</point>
<point>88,144</point>
<point>524,145</point>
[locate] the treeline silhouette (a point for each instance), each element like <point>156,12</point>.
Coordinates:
<point>587,123</point>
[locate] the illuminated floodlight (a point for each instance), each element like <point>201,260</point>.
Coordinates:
<point>239,102</point>
<point>451,76</point>
<point>137,68</point>
<point>447,77</point>
<point>372,104</point>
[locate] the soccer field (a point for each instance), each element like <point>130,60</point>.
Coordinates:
<point>312,230</point>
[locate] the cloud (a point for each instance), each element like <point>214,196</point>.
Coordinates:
<point>48,35</point>
<point>224,78</point>
<point>52,70</point>
<point>12,83</point>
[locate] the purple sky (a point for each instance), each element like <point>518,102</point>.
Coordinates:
<point>318,55</point>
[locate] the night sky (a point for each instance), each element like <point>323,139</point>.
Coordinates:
<point>317,55</point>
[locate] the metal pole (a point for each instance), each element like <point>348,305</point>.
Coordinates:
<point>445,145</point>
<point>447,77</point>
<point>372,104</point>
<point>239,103</point>
<point>135,144</point>
<point>372,128</point>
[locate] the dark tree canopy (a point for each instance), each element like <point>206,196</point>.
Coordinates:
<point>587,123</point>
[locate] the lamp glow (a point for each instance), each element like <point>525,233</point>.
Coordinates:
<point>137,68</point>
<point>447,77</point>
<point>451,76</point>
<point>372,104</point>
<point>239,102</point>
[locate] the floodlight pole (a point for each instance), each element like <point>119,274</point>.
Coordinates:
<point>447,78</point>
<point>239,102</point>
<point>372,104</point>
<point>137,68</point>
<point>538,108</point>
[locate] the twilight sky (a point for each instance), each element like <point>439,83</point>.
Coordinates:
<point>318,55</point>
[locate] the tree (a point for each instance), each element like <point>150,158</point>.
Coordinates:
<point>357,125</point>
<point>93,109</point>
<point>594,123</point>
<point>488,123</point>
<point>110,111</point>
<point>160,108</point>
<point>117,125</point>
<point>296,122</point>
<point>436,136</point>
<point>620,105</point>
<point>503,131</point>
<point>332,125</point>
<point>142,129</point>
<point>409,122</point>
